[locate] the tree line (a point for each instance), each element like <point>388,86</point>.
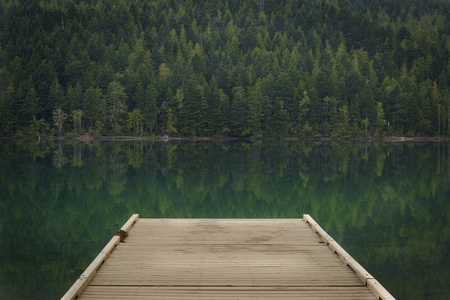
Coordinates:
<point>233,68</point>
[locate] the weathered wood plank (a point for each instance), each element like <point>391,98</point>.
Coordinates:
<point>127,226</point>
<point>303,293</point>
<point>82,282</point>
<point>379,290</point>
<point>229,259</point>
<point>362,274</point>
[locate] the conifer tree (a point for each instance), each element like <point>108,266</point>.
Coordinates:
<point>116,101</point>
<point>58,118</point>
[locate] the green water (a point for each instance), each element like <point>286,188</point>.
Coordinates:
<point>388,205</point>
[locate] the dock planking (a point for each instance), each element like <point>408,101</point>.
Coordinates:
<point>225,259</point>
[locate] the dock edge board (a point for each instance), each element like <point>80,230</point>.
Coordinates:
<point>83,281</point>
<point>360,272</point>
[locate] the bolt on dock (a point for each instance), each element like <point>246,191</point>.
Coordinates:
<point>225,259</point>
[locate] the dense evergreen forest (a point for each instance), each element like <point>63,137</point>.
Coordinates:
<point>239,68</point>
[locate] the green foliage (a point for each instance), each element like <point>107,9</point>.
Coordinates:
<point>116,103</point>
<point>169,127</point>
<point>36,128</point>
<point>93,106</point>
<point>286,68</point>
<point>134,121</point>
<point>380,120</point>
<point>76,115</point>
<point>58,118</point>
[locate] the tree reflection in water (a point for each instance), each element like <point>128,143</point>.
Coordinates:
<point>387,204</point>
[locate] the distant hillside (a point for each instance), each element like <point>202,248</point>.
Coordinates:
<point>241,68</point>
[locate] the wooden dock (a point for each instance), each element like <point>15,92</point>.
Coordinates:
<point>225,259</point>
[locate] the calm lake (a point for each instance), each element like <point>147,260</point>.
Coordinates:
<point>387,204</point>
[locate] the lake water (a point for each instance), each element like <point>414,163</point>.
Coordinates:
<point>387,204</point>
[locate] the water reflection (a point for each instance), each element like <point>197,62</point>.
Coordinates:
<point>387,204</point>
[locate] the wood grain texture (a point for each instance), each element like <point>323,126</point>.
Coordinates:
<point>85,278</point>
<point>224,259</point>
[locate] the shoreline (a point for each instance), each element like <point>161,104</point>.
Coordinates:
<point>167,139</point>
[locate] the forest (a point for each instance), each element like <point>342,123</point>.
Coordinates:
<point>237,68</point>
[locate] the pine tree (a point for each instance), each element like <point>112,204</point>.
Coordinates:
<point>8,119</point>
<point>170,128</point>
<point>58,118</point>
<point>255,113</point>
<point>94,107</point>
<point>380,120</point>
<point>303,108</point>
<point>135,121</point>
<point>76,115</point>
<point>116,101</point>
